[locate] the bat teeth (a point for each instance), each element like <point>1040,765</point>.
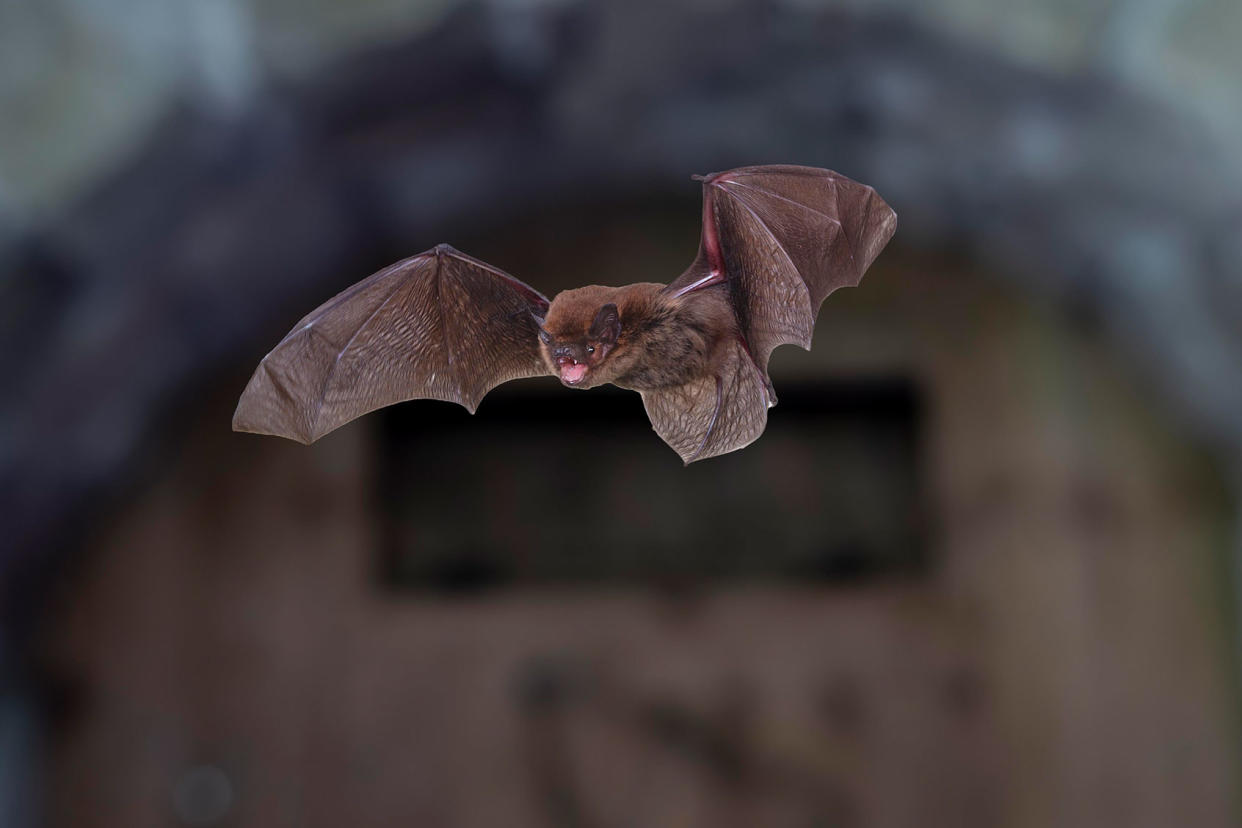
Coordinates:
<point>569,373</point>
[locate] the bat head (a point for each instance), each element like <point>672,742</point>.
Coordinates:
<point>577,338</point>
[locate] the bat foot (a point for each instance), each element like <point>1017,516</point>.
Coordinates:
<point>711,426</point>
<point>769,391</point>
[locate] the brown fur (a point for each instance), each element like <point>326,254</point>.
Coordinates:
<point>664,342</point>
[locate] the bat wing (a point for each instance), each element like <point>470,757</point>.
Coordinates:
<point>714,414</point>
<point>780,239</point>
<point>440,325</point>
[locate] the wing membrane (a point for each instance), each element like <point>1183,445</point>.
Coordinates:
<point>439,325</point>
<point>711,415</point>
<point>780,239</point>
<point>783,238</point>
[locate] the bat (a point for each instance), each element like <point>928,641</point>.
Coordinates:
<point>776,240</point>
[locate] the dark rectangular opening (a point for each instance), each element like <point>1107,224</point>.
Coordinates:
<point>546,485</point>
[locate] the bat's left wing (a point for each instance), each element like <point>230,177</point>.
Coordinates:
<point>779,239</point>
<point>439,325</point>
<point>713,414</point>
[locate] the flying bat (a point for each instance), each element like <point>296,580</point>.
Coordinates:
<point>776,240</point>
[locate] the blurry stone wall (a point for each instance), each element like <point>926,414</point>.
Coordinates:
<point>82,81</point>
<point>229,652</point>
<point>181,180</point>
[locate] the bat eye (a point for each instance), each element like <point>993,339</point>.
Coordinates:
<point>545,337</point>
<point>590,349</point>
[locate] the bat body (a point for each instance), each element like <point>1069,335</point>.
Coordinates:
<point>635,336</point>
<point>776,241</point>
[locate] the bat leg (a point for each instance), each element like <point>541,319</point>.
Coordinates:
<point>769,390</point>
<point>712,425</point>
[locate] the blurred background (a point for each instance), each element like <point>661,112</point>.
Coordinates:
<point>981,570</point>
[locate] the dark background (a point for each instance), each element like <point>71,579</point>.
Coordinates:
<point>981,569</point>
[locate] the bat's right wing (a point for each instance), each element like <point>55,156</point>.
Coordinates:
<point>440,325</point>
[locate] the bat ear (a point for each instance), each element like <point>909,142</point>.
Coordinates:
<point>607,325</point>
<point>544,336</point>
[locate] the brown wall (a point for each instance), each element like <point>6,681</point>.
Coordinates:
<point>1064,661</point>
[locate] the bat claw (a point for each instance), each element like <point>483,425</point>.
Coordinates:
<point>767,392</point>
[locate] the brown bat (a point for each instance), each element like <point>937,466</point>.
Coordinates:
<point>776,241</point>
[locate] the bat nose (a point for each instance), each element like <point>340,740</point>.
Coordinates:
<point>562,352</point>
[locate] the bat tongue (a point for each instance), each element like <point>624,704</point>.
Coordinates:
<point>573,372</point>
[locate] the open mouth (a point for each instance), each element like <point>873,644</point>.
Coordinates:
<point>572,372</point>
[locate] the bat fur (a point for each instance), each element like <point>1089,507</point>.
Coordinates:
<point>662,342</point>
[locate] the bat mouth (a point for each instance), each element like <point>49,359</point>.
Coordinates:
<point>572,371</point>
